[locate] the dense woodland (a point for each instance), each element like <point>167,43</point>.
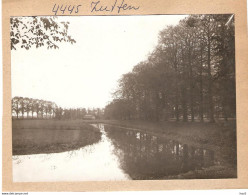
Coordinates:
<point>189,76</point>
<point>36,108</point>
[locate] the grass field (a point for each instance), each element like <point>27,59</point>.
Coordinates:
<point>50,136</point>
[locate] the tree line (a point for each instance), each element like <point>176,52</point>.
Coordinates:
<point>23,107</point>
<point>189,75</point>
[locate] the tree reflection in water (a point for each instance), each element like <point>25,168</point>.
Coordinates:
<point>145,156</point>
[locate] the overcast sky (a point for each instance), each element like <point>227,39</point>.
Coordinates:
<point>84,74</point>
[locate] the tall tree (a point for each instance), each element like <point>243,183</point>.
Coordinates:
<point>27,105</point>
<point>37,107</point>
<point>16,108</point>
<point>22,106</point>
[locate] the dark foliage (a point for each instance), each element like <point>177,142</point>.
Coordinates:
<point>38,31</point>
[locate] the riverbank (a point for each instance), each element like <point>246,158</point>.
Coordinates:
<point>51,136</point>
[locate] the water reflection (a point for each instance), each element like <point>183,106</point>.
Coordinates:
<point>145,156</point>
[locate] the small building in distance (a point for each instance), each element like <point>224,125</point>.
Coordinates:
<point>89,117</point>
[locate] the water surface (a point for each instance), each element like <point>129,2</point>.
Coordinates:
<point>96,162</point>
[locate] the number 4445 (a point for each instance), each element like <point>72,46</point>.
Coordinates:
<point>65,9</point>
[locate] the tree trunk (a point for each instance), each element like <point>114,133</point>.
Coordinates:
<point>191,87</point>
<point>201,88</point>
<point>177,94</point>
<point>184,104</point>
<point>224,74</point>
<point>210,95</point>
<point>184,92</point>
<point>157,106</point>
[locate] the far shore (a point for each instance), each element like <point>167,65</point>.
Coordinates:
<point>51,136</point>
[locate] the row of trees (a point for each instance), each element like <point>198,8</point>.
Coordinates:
<point>189,75</point>
<point>35,108</point>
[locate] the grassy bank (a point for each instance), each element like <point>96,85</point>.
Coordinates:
<point>51,136</point>
<point>203,133</point>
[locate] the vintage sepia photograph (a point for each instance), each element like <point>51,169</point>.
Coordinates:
<point>114,98</point>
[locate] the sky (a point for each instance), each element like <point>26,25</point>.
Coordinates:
<point>86,73</point>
